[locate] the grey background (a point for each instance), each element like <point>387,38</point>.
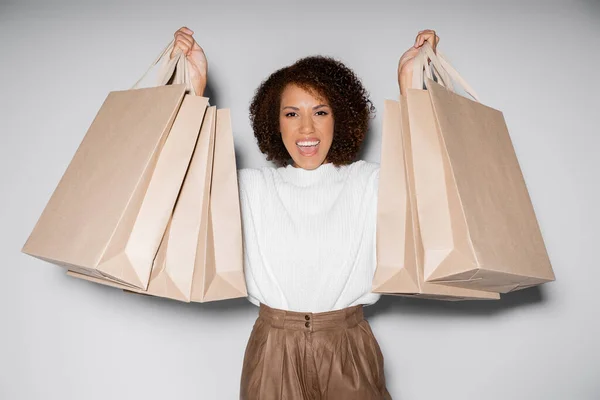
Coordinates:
<point>535,60</point>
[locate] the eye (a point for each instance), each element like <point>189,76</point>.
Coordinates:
<point>322,113</point>
<point>291,114</point>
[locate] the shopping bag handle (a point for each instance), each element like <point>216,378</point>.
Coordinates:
<point>445,72</point>
<point>177,65</point>
<point>423,69</point>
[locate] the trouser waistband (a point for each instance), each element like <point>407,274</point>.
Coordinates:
<point>344,318</point>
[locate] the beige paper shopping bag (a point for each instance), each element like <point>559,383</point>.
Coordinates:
<point>184,244</point>
<point>478,226</point>
<point>399,248</point>
<point>223,274</point>
<point>200,257</point>
<point>108,214</point>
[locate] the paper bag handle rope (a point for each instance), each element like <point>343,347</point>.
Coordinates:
<point>177,65</point>
<point>422,69</point>
<point>444,70</point>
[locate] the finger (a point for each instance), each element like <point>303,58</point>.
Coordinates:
<point>177,46</point>
<point>184,31</point>
<point>180,46</point>
<point>422,38</point>
<point>433,40</point>
<point>428,36</point>
<point>184,45</point>
<point>194,44</point>
<point>176,49</point>
<point>184,41</point>
<point>185,38</point>
<point>426,32</point>
<point>173,52</point>
<point>187,30</point>
<point>430,33</point>
<point>183,34</point>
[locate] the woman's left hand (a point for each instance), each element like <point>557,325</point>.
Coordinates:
<point>405,65</point>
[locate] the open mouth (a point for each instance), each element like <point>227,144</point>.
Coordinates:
<point>308,147</point>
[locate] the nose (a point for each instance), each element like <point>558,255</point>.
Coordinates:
<point>307,126</point>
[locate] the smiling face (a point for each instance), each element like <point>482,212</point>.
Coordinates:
<point>306,125</point>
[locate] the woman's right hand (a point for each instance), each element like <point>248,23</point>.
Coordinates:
<point>184,42</point>
<point>405,65</point>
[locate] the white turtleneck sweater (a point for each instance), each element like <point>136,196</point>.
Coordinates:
<point>309,236</point>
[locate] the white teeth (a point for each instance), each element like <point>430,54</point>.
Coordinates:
<point>308,144</point>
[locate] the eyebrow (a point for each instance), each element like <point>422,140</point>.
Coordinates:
<point>297,109</point>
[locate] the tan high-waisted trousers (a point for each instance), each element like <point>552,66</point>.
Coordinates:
<point>312,356</point>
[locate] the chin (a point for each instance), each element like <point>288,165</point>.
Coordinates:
<point>308,164</point>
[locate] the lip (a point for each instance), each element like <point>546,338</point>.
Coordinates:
<point>308,151</point>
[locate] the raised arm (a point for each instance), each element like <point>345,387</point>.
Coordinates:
<point>185,42</point>
<point>405,65</point>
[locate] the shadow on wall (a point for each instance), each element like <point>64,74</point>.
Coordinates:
<point>368,142</point>
<point>407,305</point>
<point>211,92</point>
<point>388,304</point>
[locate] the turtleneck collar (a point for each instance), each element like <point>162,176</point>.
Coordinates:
<point>304,177</point>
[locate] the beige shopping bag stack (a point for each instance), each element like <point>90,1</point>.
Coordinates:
<point>400,252</point>
<point>455,220</point>
<point>133,210</point>
<point>200,257</point>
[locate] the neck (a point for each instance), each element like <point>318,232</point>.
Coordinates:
<point>297,166</point>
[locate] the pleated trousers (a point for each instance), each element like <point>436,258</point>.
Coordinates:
<point>312,356</point>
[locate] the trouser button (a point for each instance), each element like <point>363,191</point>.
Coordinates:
<point>307,324</point>
<point>307,317</point>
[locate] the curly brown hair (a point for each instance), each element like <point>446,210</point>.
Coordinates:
<point>328,78</point>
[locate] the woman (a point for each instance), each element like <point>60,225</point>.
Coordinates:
<point>309,230</point>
